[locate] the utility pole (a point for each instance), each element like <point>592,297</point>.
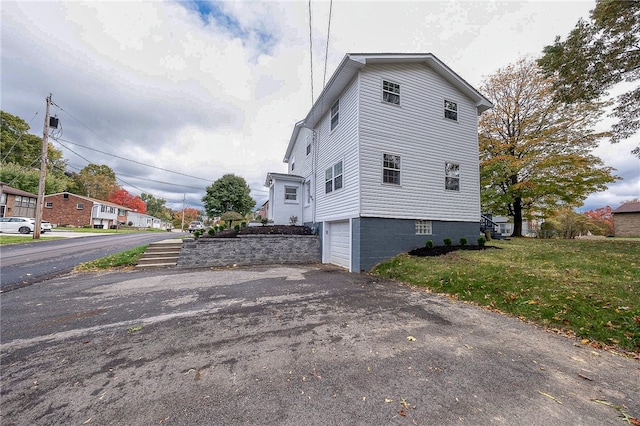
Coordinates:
<point>43,172</point>
<point>184,197</point>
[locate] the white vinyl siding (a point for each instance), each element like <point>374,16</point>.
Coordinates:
<point>341,144</point>
<point>425,141</point>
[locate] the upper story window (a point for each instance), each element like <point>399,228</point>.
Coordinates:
<point>390,92</point>
<point>391,169</point>
<point>48,204</point>
<point>450,110</point>
<point>423,227</point>
<point>333,178</point>
<point>79,206</point>
<point>335,114</point>
<point>308,147</point>
<point>452,176</point>
<point>290,194</point>
<point>293,163</point>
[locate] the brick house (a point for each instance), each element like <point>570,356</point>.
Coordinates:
<point>626,220</point>
<point>15,202</point>
<point>66,209</point>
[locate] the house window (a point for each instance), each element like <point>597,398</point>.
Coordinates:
<point>450,110</point>
<point>391,92</point>
<point>335,114</point>
<point>308,148</point>
<point>290,193</point>
<point>333,178</point>
<point>79,206</point>
<point>18,201</point>
<point>423,227</point>
<point>48,204</point>
<point>307,190</point>
<point>391,169</point>
<point>293,164</point>
<point>452,176</point>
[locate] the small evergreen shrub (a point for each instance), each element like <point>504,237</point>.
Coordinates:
<point>243,224</point>
<point>448,241</point>
<point>463,241</point>
<point>264,222</point>
<point>223,227</point>
<point>482,241</point>
<point>212,232</point>
<point>429,244</point>
<point>236,227</point>
<point>197,233</point>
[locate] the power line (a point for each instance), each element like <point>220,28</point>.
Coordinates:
<point>326,52</point>
<point>21,134</point>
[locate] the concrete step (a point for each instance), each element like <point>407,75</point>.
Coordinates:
<point>148,254</point>
<point>161,254</point>
<point>156,265</point>
<point>164,259</point>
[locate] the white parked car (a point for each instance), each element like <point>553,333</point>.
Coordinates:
<point>45,225</point>
<point>22,225</point>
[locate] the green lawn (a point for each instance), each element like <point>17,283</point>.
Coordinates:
<point>17,239</point>
<point>590,288</point>
<point>119,260</point>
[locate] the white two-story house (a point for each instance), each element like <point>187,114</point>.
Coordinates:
<point>386,159</point>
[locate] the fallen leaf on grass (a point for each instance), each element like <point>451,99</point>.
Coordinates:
<point>411,338</point>
<point>388,400</point>
<point>402,413</point>
<point>549,396</point>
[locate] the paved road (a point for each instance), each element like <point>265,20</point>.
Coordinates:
<point>304,345</point>
<point>24,264</point>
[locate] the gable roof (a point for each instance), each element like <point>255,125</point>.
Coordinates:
<point>282,176</point>
<point>93,200</point>
<point>15,191</point>
<point>631,207</point>
<point>354,62</point>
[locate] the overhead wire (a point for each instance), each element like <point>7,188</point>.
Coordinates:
<point>21,134</point>
<point>326,52</point>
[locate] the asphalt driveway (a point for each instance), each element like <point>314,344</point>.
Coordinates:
<point>289,345</point>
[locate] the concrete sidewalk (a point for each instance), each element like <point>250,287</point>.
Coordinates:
<point>281,345</point>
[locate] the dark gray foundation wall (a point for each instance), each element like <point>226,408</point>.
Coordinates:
<point>377,239</point>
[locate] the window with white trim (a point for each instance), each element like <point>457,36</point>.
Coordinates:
<point>391,169</point>
<point>335,114</point>
<point>333,178</point>
<point>290,194</point>
<point>48,204</point>
<point>79,206</point>
<point>452,176</point>
<point>390,92</point>
<point>450,110</point>
<point>423,227</point>
<point>293,163</point>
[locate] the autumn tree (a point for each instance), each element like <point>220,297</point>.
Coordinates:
<point>190,214</point>
<point>96,181</point>
<point>229,193</point>
<point>122,197</point>
<point>534,150</point>
<point>598,54</point>
<point>602,220</point>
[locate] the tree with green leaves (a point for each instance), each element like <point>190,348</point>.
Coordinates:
<point>597,55</point>
<point>535,151</point>
<point>156,206</point>
<point>229,193</point>
<point>97,181</point>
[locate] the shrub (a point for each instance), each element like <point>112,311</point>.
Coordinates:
<point>463,241</point>
<point>197,233</point>
<point>236,227</point>
<point>243,224</point>
<point>223,227</point>
<point>448,241</point>
<point>264,222</point>
<point>211,232</point>
<point>130,223</point>
<point>429,244</point>
<point>482,241</point>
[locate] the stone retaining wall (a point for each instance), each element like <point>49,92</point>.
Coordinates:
<point>249,250</point>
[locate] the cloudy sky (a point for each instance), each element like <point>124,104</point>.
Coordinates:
<point>190,91</point>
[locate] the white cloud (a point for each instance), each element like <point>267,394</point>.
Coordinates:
<point>157,83</point>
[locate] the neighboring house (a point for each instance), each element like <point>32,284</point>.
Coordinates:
<point>626,220</point>
<point>264,210</point>
<point>505,227</point>
<point>14,202</point>
<point>386,159</point>
<point>66,209</point>
<point>142,220</point>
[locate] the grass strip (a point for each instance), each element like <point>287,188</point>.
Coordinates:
<point>590,288</point>
<point>18,239</point>
<point>124,259</point>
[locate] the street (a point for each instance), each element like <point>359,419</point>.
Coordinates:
<point>289,345</point>
<point>24,264</point>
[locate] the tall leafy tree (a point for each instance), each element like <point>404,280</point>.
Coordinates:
<point>96,181</point>
<point>602,220</point>
<point>229,193</point>
<point>534,150</point>
<point>598,54</point>
<point>122,197</point>
<point>156,206</point>
<point>28,179</point>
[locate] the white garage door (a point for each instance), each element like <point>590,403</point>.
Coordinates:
<point>340,243</point>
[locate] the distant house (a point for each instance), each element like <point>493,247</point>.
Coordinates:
<point>14,202</point>
<point>66,209</point>
<point>143,220</point>
<point>626,220</point>
<point>386,159</point>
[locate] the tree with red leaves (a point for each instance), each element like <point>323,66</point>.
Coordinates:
<point>123,198</point>
<point>602,218</point>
